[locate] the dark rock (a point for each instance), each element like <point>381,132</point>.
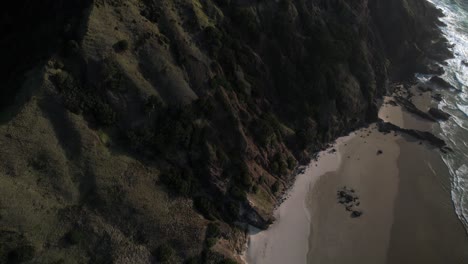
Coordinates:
<point>393,103</point>
<point>441,82</point>
<point>386,127</point>
<point>356,214</point>
<point>424,88</point>
<point>439,114</point>
<point>464,62</point>
<point>410,107</point>
<point>437,97</point>
<point>379,152</point>
<point>434,69</point>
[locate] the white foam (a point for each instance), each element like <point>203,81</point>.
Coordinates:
<point>455,131</point>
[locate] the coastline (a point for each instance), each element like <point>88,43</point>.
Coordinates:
<point>404,216</point>
<point>292,217</point>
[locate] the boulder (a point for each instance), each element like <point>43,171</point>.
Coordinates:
<point>439,114</point>
<point>437,97</point>
<point>410,107</point>
<point>356,214</point>
<point>385,127</point>
<point>441,82</point>
<point>424,88</point>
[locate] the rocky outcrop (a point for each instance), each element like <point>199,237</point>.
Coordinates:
<point>386,127</point>
<point>441,82</point>
<point>439,114</point>
<point>438,97</point>
<point>410,35</point>
<point>410,107</point>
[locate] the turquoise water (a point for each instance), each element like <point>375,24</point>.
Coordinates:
<point>455,131</point>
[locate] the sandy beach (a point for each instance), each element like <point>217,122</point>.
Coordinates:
<point>403,191</point>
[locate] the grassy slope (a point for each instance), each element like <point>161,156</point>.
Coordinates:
<point>250,87</point>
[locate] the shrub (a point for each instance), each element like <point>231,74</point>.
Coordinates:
<point>210,242</point>
<point>193,260</point>
<point>275,167</point>
<point>264,132</point>
<point>213,230</point>
<point>153,103</point>
<point>72,48</point>
<point>121,46</point>
<point>238,193</point>
<point>219,81</point>
<point>275,187</point>
<point>233,209</point>
<point>74,237</point>
<point>291,162</point>
<point>255,189</point>
<point>283,167</point>
<point>246,179</point>
<point>228,261</point>
<point>206,207</point>
<point>21,254</point>
<point>164,253</point>
<point>111,75</point>
<point>104,114</point>
<point>182,184</point>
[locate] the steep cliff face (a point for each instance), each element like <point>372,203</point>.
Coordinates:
<point>170,124</point>
<point>411,36</point>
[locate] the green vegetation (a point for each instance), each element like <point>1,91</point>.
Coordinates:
<point>182,183</point>
<point>121,46</point>
<point>111,76</point>
<point>206,207</point>
<point>275,187</point>
<point>75,237</point>
<point>213,230</point>
<point>19,255</point>
<point>78,100</point>
<point>164,253</point>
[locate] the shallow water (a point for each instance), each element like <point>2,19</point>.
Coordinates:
<point>455,131</point>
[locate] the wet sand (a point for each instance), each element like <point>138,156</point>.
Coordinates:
<point>404,194</point>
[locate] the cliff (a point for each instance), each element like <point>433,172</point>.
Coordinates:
<point>154,130</point>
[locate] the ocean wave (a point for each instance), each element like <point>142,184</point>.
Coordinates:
<point>455,131</point>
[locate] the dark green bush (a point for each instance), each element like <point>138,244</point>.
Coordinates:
<point>255,188</point>
<point>213,230</point>
<point>206,207</point>
<point>182,184</point>
<point>264,132</point>
<point>193,260</point>
<point>20,254</point>
<point>228,261</point>
<point>219,81</point>
<point>164,253</point>
<point>104,114</point>
<point>210,242</point>
<point>275,167</point>
<point>74,237</point>
<point>111,75</point>
<point>275,187</point>
<point>153,104</point>
<point>291,162</point>
<point>238,193</point>
<point>121,46</point>
<point>233,209</point>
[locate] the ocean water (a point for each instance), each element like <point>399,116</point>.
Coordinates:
<point>455,131</point>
